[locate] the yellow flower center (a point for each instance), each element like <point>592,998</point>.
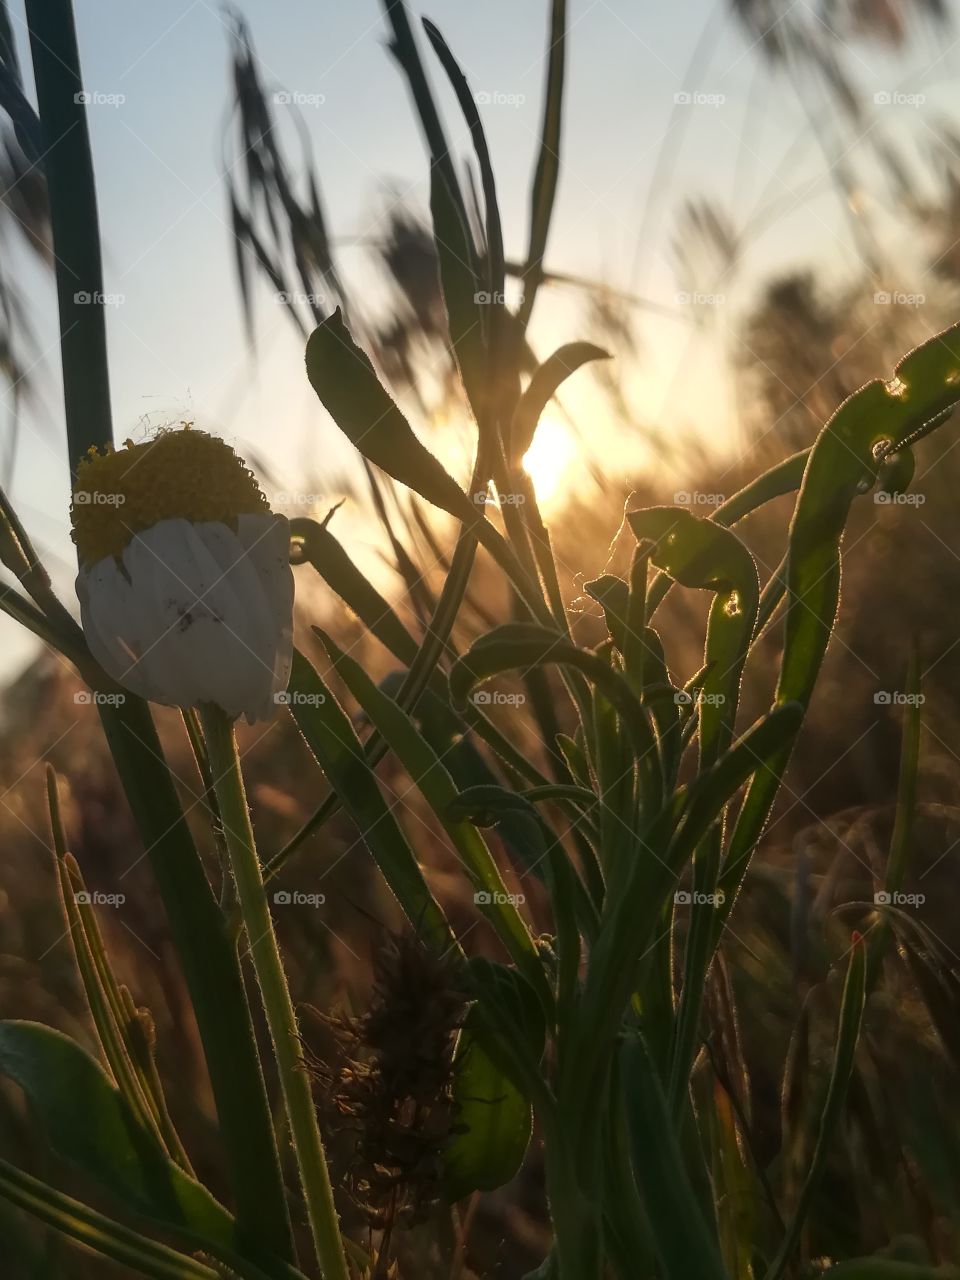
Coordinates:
<point>179,473</point>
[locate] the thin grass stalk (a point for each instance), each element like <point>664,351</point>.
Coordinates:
<point>210,963</point>
<point>278,1006</point>
<point>68,166</point>
<point>94,1230</point>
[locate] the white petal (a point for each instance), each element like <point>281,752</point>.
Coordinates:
<point>253,627</point>
<point>266,538</point>
<point>111,619</point>
<point>190,646</point>
<point>196,613</point>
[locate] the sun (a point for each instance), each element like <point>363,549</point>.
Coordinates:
<point>548,460</point>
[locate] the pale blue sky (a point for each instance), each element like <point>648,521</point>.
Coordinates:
<point>176,342</point>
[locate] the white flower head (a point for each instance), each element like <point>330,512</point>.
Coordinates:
<point>185,586</point>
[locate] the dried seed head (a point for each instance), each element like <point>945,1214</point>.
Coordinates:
<point>392,1088</point>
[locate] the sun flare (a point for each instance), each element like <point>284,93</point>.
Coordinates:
<point>549,459</point>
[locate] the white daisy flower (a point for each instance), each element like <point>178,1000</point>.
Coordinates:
<point>185,586</point>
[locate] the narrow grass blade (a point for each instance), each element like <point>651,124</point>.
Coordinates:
<point>511,646</point>
<point>71,191</point>
<point>682,1240</point>
<point>543,386</point>
<point>439,790</point>
<point>96,1231</point>
<point>848,1034</point>
<point>212,971</point>
<point>339,752</point>
<point>547,174</point>
<point>900,840</point>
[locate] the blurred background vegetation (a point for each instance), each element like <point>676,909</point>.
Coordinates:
<point>797,231</point>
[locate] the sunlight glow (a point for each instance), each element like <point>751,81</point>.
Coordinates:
<point>549,459</point>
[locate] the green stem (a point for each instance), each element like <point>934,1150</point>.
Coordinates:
<point>578,1234</point>
<point>209,960</point>
<point>281,1017</point>
<point>214,979</point>
<point>88,1227</point>
<point>68,168</point>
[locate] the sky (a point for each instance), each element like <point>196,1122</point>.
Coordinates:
<point>632,152</point>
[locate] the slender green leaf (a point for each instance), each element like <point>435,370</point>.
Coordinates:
<point>547,174</point>
<point>330,736</point>
<point>844,462</point>
<point>439,790</point>
<point>347,386</point>
<point>848,1034</point>
<point>96,1231</point>
<point>90,1123</point>
<point>521,646</point>
<point>681,1238</point>
<point>541,389</point>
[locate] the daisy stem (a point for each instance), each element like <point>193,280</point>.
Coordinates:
<point>281,1018</point>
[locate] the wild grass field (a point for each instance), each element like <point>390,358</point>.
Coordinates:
<point>525,844</point>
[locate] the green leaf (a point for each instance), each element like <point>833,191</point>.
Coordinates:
<point>680,1235</point>
<point>888,1269</point>
<point>460,287</point>
<point>330,736</point>
<point>493,1121</point>
<point>848,1034</point>
<point>212,971</point>
<point>525,645</point>
<point>547,173</point>
<point>541,389</point>
<point>699,553</point>
<point>901,842</point>
<point>89,1123</point>
<point>509,1019</point>
<point>844,461</point>
<point>98,1232</point>
<point>778,481</point>
<point>613,596</point>
<point>439,790</point>
<point>346,383</point>
<point>321,549</point>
